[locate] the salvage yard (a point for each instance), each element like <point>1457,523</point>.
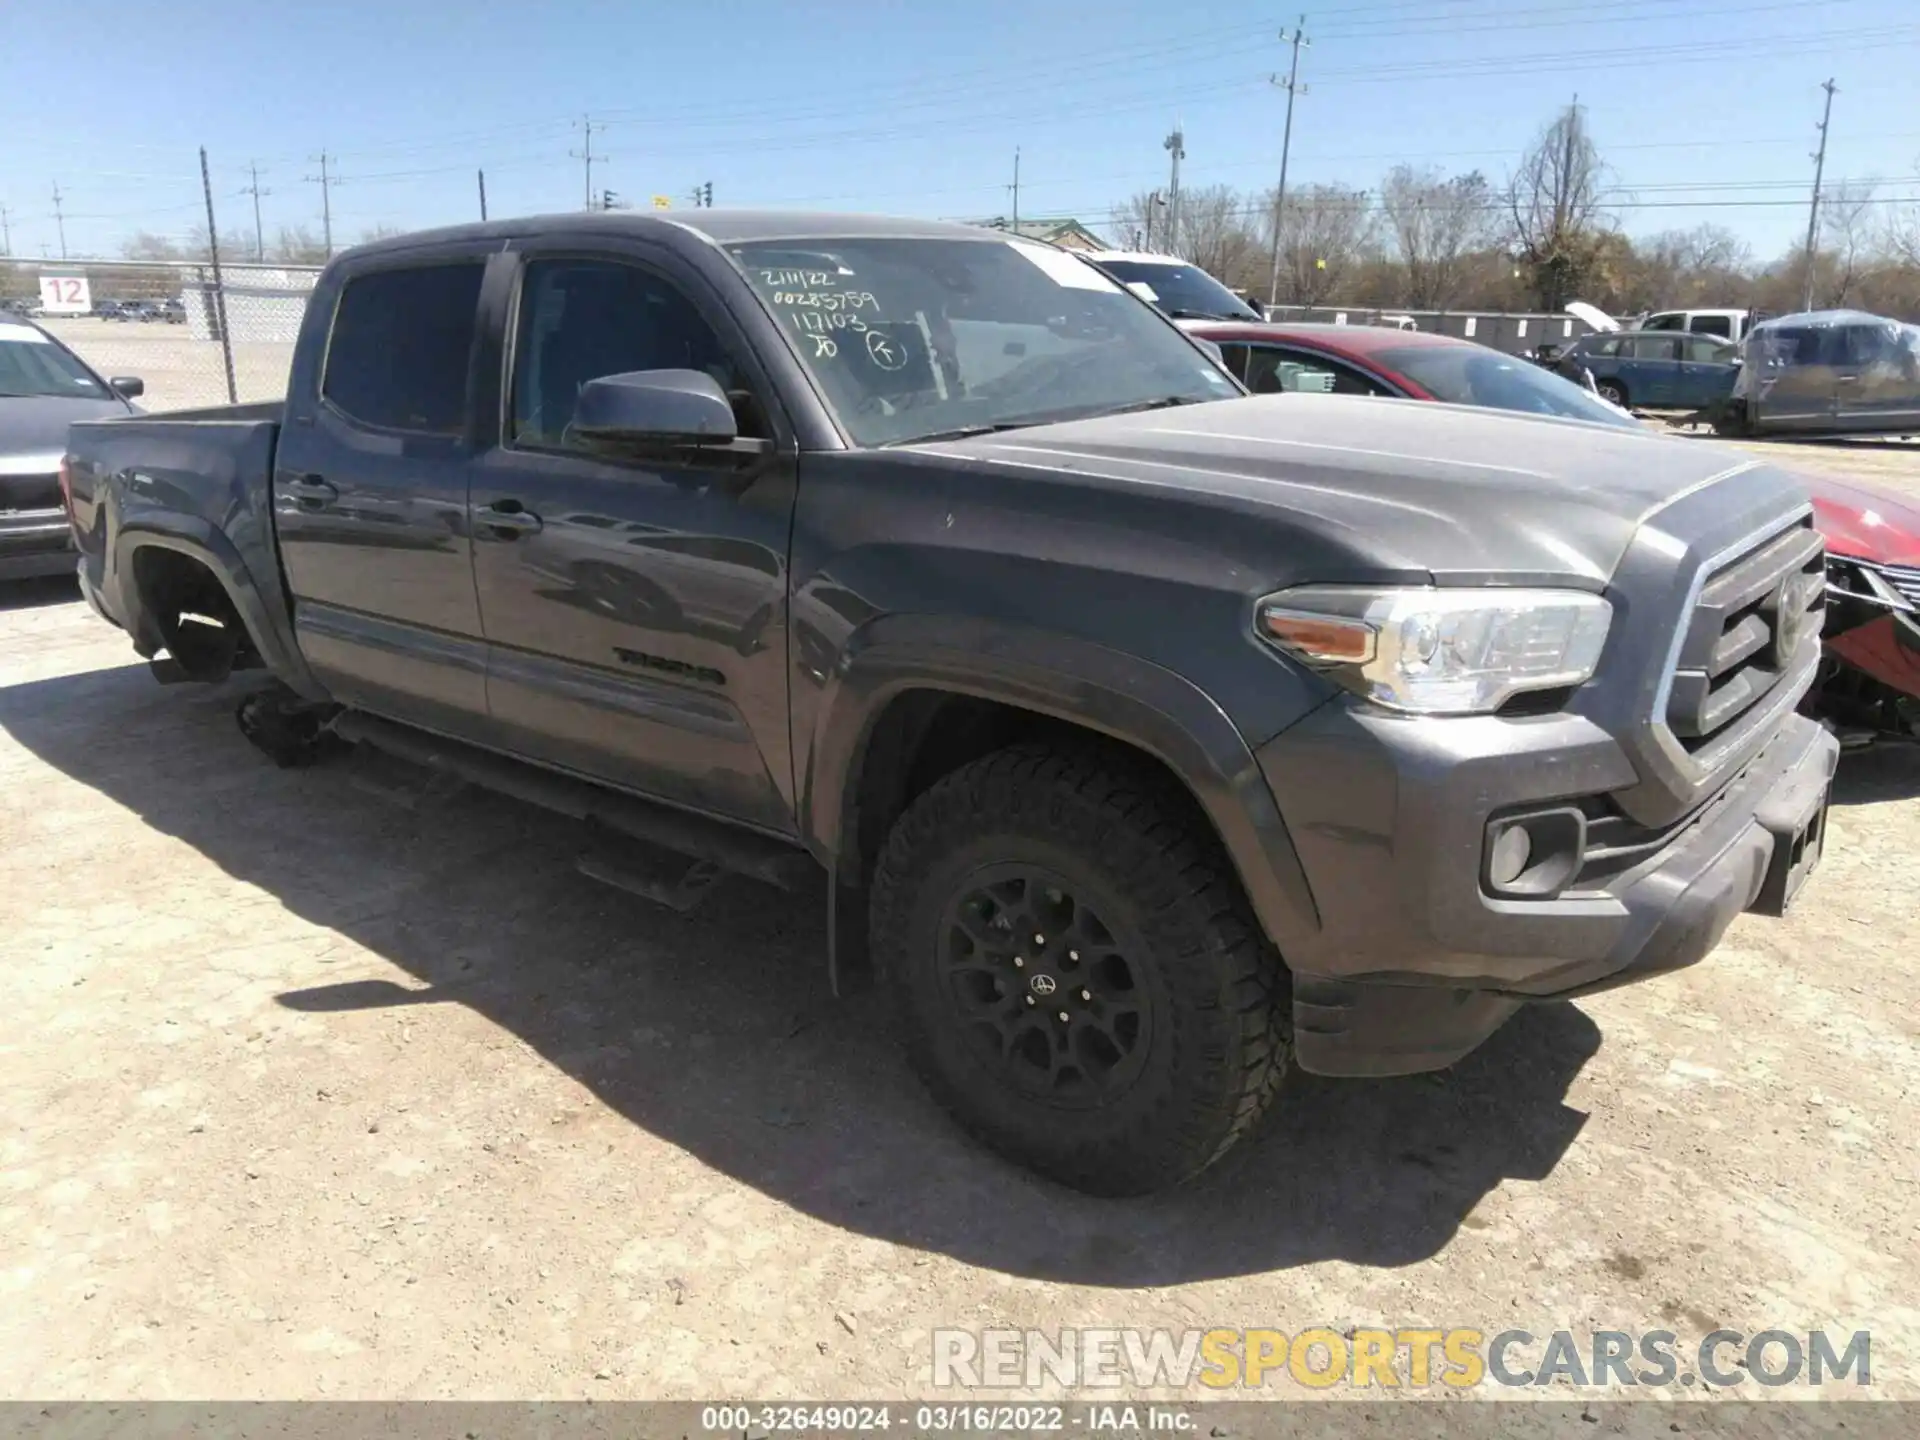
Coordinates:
<point>304,1093</point>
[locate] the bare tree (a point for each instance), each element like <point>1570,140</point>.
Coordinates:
<point>1554,203</point>
<point>1846,228</point>
<point>1326,232</point>
<point>1140,221</point>
<point>144,245</point>
<point>1214,233</point>
<point>1434,224</point>
<point>297,245</point>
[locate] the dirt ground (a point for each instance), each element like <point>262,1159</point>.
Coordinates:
<point>304,1094</point>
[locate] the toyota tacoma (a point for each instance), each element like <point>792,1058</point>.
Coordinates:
<point>1154,738</point>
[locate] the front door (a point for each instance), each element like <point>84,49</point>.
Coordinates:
<point>1707,371</point>
<point>1797,380</point>
<point>370,494</point>
<point>635,609</point>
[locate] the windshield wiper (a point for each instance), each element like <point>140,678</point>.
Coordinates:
<point>1204,315</point>
<point>964,432</point>
<point>1161,402</point>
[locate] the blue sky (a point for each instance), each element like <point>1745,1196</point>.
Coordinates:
<point>917,109</point>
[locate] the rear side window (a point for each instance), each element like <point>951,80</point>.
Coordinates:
<point>401,345</point>
<point>1707,350</point>
<point>1655,347</point>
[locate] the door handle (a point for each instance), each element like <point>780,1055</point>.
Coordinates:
<point>311,492</point>
<point>505,520</point>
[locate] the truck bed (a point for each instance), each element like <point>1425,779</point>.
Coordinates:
<point>188,485</point>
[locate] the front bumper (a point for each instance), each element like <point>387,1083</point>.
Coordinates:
<point>1415,962</point>
<point>34,543</point>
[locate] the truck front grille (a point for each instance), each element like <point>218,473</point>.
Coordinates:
<point>1752,617</point>
<point>30,492</point>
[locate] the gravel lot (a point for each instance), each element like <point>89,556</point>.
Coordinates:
<point>305,1094</point>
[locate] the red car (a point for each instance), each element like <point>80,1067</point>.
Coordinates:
<point>1870,687</point>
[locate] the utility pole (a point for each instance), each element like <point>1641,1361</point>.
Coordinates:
<point>1813,211</point>
<point>1016,189</point>
<point>6,233</point>
<point>1176,146</point>
<point>483,192</point>
<point>1296,37</point>
<point>326,180</point>
<point>259,235</point>
<point>586,156</point>
<point>60,219</point>
<point>219,285</point>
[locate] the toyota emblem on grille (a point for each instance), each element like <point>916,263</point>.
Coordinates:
<point>1043,984</point>
<point>1789,622</point>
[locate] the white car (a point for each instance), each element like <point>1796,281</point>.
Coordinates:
<point>1178,288</point>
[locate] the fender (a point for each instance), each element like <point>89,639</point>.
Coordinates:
<point>262,611</point>
<point>1089,685</point>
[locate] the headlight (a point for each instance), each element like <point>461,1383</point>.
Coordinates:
<point>1440,652</point>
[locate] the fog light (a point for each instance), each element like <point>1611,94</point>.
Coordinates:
<point>1511,851</point>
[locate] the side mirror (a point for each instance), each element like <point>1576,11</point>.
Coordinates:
<point>127,386</point>
<point>670,407</point>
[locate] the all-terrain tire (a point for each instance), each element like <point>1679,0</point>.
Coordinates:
<point>1133,860</point>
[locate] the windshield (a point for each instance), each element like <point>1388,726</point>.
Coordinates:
<point>1474,375</point>
<point>1184,291</point>
<point>31,364</point>
<point>916,338</point>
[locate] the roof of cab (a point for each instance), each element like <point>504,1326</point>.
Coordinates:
<point>720,226</point>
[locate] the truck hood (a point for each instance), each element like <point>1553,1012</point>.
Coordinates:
<point>33,427</point>
<point>1465,495</point>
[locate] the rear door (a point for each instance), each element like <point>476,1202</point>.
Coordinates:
<point>370,491</point>
<point>636,608</point>
<point>1875,382</point>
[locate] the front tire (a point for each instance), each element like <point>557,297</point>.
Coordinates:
<point>1613,392</point>
<point>1075,972</point>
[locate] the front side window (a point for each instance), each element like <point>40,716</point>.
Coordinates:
<point>581,320</point>
<point>911,338</point>
<point>1273,370</point>
<point>1708,351</point>
<point>1721,325</point>
<point>401,345</point>
<point>1672,320</point>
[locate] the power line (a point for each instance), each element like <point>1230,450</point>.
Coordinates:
<point>326,181</point>
<point>1176,147</point>
<point>585,153</point>
<point>259,236</point>
<point>1813,210</point>
<point>1297,37</point>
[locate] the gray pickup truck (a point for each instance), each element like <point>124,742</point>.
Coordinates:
<point>1153,738</point>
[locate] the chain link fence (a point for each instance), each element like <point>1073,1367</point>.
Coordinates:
<point>191,340</point>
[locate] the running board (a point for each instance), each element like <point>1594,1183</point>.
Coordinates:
<point>741,852</point>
